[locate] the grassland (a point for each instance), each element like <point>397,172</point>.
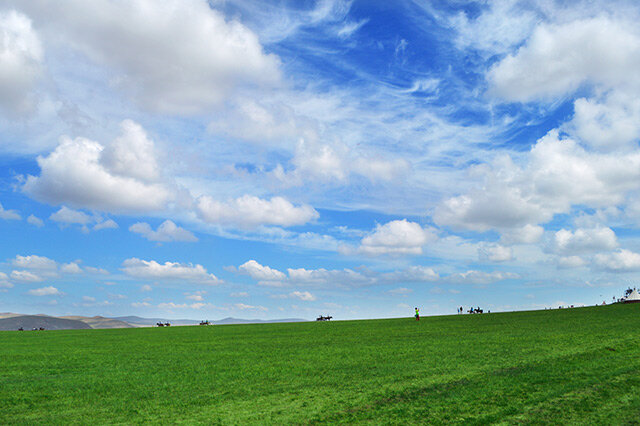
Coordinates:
<point>579,366</point>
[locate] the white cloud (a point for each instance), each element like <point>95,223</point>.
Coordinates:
<point>68,216</point>
<point>33,261</point>
<point>106,224</point>
<point>240,294</point>
<point>21,57</point>
<point>335,163</point>
<point>35,221</point>
<point>619,261</point>
<point>175,57</point>
<point>44,291</point>
<point>346,278</point>
<point>132,154</point>
<point>244,307</point>
<point>584,240</point>
<point>9,214</point>
<point>397,237</point>
<point>172,305</point>
<point>480,277</point>
<point>558,175</point>
<point>555,61</point>
<point>495,253</point>
<point>571,262</point>
<point>411,274</point>
<point>609,121</point>
<point>167,231</point>
<point>74,174</point>
<point>140,304</point>
<point>4,281</point>
<point>196,297</point>
<point>146,287</point>
<point>302,295</point>
<point>71,268</point>
<point>150,269</point>
<point>88,299</point>
<point>26,276</point>
<point>260,272</point>
<point>97,271</point>
<point>401,291</point>
<point>496,29</point>
<point>528,234</point>
<point>249,212</point>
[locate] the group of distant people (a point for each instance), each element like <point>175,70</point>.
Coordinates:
<point>472,310</point>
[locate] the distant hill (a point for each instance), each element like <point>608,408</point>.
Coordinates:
<point>8,315</point>
<point>29,322</point>
<point>100,322</point>
<point>134,320</point>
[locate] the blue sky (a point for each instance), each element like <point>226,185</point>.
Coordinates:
<point>265,159</point>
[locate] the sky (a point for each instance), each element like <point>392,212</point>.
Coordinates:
<point>287,159</point>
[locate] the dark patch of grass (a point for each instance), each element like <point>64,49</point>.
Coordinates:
<point>563,366</point>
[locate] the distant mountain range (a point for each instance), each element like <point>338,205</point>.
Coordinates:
<point>29,322</point>
<point>139,321</point>
<point>13,321</point>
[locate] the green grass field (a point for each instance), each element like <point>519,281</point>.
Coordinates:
<point>579,366</point>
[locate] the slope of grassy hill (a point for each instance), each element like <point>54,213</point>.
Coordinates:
<point>100,322</point>
<point>578,366</point>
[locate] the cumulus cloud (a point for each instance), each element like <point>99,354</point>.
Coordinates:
<point>570,262</point>
<point>302,295</point>
<point>397,237</point>
<point>619,261</point>
<point>106,224</point>
<point>21,57</point>
<point>559,174</point>
<point>610,121</point>
<point>502,25</point>
<point>69,216</point>
<point>555,61</point>
<point>35,221</point>
<point>4,281</point>
<point>26,276</point>
<point>9,214</point>
<point>244,307</point>
<point>345,278</point>
<point>172,305</point>
<point>411,274</point>
<point>33,261</point>
<point>150,269</point>
<point>495,253</point>
<point>401,291</point>
<point>167,231</point>
<point>44,291</point>
<point>132,154</point>
<point>528,234</point>
<point>584,240</point>
<point>336,163</point>
<point>249,212</point>
<point>209,55</point>
<point>480,277</point>
<point>260,272</point>
<point>71,268</point>
<point>74,174</point>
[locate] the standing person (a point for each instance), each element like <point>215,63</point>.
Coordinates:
<point>417,314</point>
